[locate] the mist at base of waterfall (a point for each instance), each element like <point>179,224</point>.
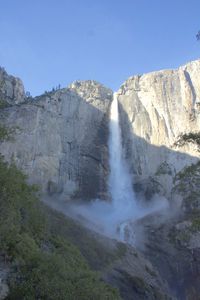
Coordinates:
<point>116,218</point>
<point>114,222</point>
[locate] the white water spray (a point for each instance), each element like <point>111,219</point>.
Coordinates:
<point>119,181</point>
<point>116,218</point>
<point>120,185</point>
<point>113,218</point>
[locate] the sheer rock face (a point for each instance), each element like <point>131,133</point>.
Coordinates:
<point>11,88</point>
<point>61,137</point>
<point>156,110</point>
<point>61,140</point>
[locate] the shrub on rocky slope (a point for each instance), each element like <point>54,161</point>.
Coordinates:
<point>43,265</point>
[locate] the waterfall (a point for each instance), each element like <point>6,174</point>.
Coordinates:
<point>117,218</point>
<point>114,218</point>
<point>120,185</point>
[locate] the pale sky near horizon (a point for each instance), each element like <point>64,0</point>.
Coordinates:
<point>51,42</point>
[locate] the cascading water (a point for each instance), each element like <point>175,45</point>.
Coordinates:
<point>120,186</point>
<point>116,218</point>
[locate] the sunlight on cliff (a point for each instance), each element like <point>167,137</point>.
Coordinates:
<point>116,218</point>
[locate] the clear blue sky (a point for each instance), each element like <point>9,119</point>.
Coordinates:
<point>47,42</point>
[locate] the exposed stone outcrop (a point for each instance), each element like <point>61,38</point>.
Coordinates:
<point>156,110</point>
<point>166,248</point>
<point>172,242</point>
<point>160,120</point>
<point>11,88</point>
<point>61,139</point>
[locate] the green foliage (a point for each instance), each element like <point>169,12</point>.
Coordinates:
<point>97,253</point>
<point>188,172</point>
<point>4,133</point>
<point>196,224</point>
<point>178,237</point>
<point>187,183</point>
<point>142,288</point>
<point>45,265</point>
<point>3,104</point>
<point>19,208</point>
<point>191,137</point>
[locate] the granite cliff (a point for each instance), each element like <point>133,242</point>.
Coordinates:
<point>59,139</point>
<point>160,120</point>
<point>11,88</point>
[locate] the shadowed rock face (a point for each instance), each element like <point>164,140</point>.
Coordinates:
<point>61,140</point>
<point>160,123</point>
<point>173,245</point>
